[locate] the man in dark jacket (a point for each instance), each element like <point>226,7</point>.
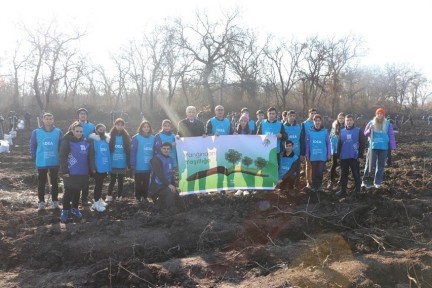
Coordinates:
<point>351,145</point>
<point>190,126</point>
<point>162,187</point>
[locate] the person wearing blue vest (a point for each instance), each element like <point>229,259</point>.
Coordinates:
<point>120,157</point>
<point>337,125</point>
<point>293,130</point>
<point>219,124</point>
<point>100,163</point>
<point>74,167</point>
<point>273,126</point>
<point>163,191</point>
<point>88,128</point>
<point>142,151</point>
<point>381,138</point>
<point>318,152</point>
<point>351,145</point>
<point>251,123</point>
<point>44,148</point>
<point>166,135</point>
<point>306,127</point>
<point>289,169</point>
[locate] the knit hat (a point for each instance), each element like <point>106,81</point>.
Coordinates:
<point>99,125</point>
<point>316,116</point>
<point>82,110</point>
<point>244,116</point>
<point>380,110</point>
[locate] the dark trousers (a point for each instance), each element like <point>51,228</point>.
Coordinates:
<point>97,192</point>
<point>70,194</point>
<point>288,183</point>
<point>318,168</point>
<point>85,193</point>
<point>141,184</point>
<point>346,164</point>
<point>42,179</point>
<point>389,157</point>
<point>334,165</point>
<point>113,179</point>
<point>164,197</point>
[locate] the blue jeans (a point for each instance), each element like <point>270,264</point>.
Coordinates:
<point>378,164</point>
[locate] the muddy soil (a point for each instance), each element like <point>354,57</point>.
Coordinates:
<point>268,239</point>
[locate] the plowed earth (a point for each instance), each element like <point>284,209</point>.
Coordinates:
<point>268,239</point>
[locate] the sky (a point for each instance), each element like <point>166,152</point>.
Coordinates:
<point>393,31</point>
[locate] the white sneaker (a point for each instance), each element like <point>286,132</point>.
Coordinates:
<point>245,193</point>
<point>120,198</point>
<point>103,203</point>
<point>55,205</point>
<point>365,185</point>
<point>41,206</point>
<point>377,186</point>
<point>98,206</point>
<point>238,193</point>
<point>109,198</point>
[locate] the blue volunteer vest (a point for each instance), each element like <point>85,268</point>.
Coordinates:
<point>78,158</point>
<point>308,126</point>
<point>286,164</point>
<point>144,152</point>
<point>102,156</point>
<point>220,126</point>
<point>170,139</point>
<point>118,157</point>
<point>293,133</point>
<point>380,139</point>
<point>88,128</point>
<point>333,144</point>
<point>350,143</point>
<point>274,128</point>
<point>252,126</point>
<point>318,145</point>
<point>167,169</point>
<point>47,150</point>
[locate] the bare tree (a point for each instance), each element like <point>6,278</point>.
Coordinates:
<point>122,67</point>
<point>49,47</point>
<point>18,64</point>
<point>340,53</point>
<point>283,68</point>
<point>216,40</point>
<point>313,72</point>
<point>246,63</point>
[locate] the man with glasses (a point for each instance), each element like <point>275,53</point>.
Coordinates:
<point>219,125</point>
<point>306,126</point>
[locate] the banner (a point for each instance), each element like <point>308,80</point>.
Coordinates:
<point>226,162</point>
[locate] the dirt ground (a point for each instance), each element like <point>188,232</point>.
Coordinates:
<point>381,239</point>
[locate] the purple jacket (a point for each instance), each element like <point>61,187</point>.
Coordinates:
<point>390,132</point>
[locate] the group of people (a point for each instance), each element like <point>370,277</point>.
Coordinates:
<point>89,150</point>
<point>344,146</point>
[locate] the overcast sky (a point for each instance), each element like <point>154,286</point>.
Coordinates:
<point>394,31</point>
